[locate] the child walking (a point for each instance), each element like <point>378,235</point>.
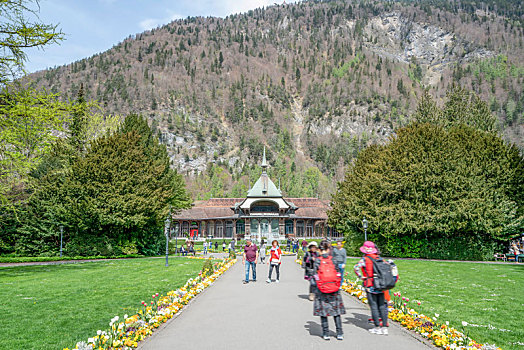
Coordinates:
<point>274,260</point>
<point>328,301</point>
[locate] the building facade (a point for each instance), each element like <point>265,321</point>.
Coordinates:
<point>263,213</point>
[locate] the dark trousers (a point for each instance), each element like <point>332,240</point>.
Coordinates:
<point>277,267</point>
<point>379,308</point>
<point>312,285</point>
<point>325,325</point>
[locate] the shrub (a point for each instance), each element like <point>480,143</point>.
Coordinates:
<point>232,255</point>
<point>208,268</point>
<point>129,248</point>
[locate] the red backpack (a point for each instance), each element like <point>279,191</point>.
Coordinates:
<point>328,280</point>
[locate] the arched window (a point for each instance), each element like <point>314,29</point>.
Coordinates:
<point>264,207</point>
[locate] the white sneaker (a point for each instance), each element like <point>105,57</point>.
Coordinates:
<point>374,330</point>
<point>268,280</point>
<point>277,281</point>
<point>384,331</point>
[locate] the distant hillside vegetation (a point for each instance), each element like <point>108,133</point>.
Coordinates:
<point>314,82</point>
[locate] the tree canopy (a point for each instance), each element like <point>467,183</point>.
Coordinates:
<point>21,29</point>
<point>433,185</point>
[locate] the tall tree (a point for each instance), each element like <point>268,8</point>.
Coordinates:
<point>441,188</point>
<point>21,29</point>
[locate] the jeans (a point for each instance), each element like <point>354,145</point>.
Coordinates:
<point>378,308</point>
<point>277,267</point>
<point>325,325</point>
<point>253,266</point>
<point>341,270</point>
<point>205,250</point>
<point>312,285</point>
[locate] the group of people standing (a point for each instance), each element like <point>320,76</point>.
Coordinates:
<point>324,267</point>
<point>252,254</point>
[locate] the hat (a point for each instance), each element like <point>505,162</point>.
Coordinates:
<point>368,248</point>
<point>313,243</point>
<point>248,239</point>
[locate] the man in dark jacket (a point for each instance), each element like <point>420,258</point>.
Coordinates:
<point>308,264</point>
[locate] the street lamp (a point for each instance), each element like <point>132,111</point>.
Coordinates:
<point>166,231</point>
<point>173,233</point>
<point>365,226</point>
<point>61,235</point>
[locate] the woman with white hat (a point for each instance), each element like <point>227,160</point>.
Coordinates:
<point>308,264</point>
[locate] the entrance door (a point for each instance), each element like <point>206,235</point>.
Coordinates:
<point>264,229</point>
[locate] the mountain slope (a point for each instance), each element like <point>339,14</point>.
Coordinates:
<point>314,82</point>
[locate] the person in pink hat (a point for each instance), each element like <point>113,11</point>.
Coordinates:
<point>364,270</point>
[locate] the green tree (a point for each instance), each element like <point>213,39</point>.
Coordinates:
<point>441,190</point>
<point>30,121</point>
<point>21,29</point>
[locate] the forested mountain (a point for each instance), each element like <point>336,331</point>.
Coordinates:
<point>314,82</point>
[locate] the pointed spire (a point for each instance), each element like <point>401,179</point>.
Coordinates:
<point>264,161</point>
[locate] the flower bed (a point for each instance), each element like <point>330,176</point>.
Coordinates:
<point>127,333</point>
<point>440,334</point>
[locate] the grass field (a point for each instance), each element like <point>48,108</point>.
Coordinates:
<point>487,296</point>
<point>54,306</point>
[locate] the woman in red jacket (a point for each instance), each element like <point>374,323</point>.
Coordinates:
<point>275,260</point>
<point>364,270</point>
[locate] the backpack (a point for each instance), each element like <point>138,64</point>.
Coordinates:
<point>328,278</point>
<point>384,274</point>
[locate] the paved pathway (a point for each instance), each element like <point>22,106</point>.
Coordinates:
<point>230,315</point>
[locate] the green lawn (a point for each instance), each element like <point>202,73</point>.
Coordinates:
<point>487,295</point>
<point>54,306</point>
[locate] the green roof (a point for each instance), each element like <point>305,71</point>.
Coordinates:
<point>264,187</point>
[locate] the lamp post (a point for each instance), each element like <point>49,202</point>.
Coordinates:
<point>61,235</point>
<point>166,231</point>
<point>176,239</point>
<point>365,226</point>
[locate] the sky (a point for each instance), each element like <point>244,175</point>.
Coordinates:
<point>93,26</point>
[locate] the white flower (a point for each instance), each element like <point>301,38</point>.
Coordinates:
<point>464,323</point>
<point>437,315</point>
<point>447,323</point>
<point>125,316</point>
<point>90,340</point>
<point>98,332</point>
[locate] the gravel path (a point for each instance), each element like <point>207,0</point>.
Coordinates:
<point>258,315</point>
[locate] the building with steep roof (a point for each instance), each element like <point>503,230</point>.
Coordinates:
<point>263,213</point>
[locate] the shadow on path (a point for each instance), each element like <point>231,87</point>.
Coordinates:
<point>359,320</point>
<point>303,296</point>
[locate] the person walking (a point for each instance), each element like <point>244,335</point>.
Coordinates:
<point>205,248</point>
<point>288,246</point>
<point>304,245</point>
<point>249,259</point>
<point>262,252</point>
<point>232,246</point>
<point>376,299</point>
<point>274,261</point>
<point>223,246</point>
<point>328,301</point>
<point>308,263</point>
<point>339,259</point>
<point>216,246</point>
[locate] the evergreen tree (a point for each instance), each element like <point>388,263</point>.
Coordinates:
<point>442,190</point>
<point>78,127</point>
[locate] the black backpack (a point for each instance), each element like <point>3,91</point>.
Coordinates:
<point>384,274</point>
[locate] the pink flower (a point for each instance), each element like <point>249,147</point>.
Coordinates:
<point>151,302</point>
<point>156,294</point>
<point>403,298</point>
<point>405,304</point>
<point>407,299</point>
<point>418,302</point>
